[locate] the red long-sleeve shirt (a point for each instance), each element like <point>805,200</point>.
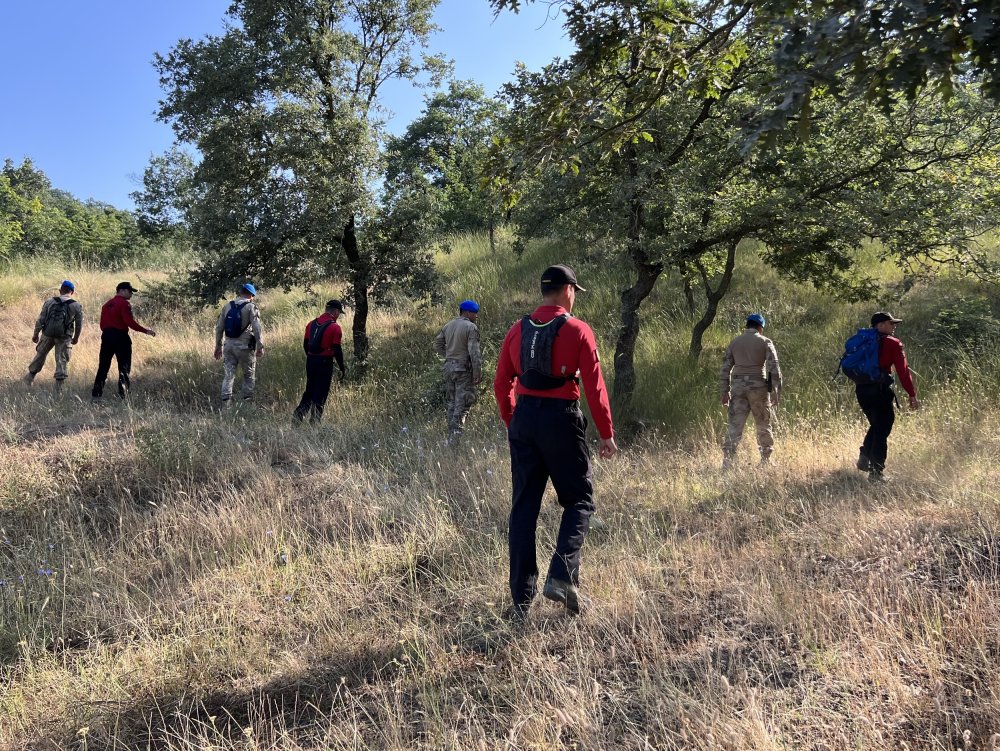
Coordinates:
<point>332,335</point>
<point>574,349</point>
<point>116,313</point>
<point>891,355</point>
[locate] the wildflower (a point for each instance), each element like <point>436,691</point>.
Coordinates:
<point>288,598</point>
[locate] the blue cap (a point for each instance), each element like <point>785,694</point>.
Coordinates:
<point>250,288</point>
<point>470,305</point>
<point>757,318</point>
<point>68,285</point>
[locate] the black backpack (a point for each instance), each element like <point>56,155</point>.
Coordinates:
<point>316,332</point>
<point>536,354</point>
<point>58,319</point>
<point>234,319</point>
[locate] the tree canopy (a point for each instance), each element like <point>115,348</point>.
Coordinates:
<point>636,142</point>
<point>285,111</point>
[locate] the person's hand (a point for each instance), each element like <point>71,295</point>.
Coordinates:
<point>608,448</point>
<point>75,341</point>
<point>150,332</point>
<point>35,339</point>
<point>776,397</point>
<point>725,399</point>
<point>260,351</point>
<point>914,403</point>
<point>477,380</point>
<point>218,353</point>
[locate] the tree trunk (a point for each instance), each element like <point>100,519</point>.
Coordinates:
<point>647,273</point>
<point>359,281</point>
<point>688,287</point>
<point>628,333</point>
<point>712,297</point>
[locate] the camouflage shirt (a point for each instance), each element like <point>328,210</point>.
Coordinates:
<point>458,343</point>
<point>750,354</point>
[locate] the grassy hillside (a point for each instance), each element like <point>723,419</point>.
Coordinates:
<point>173,577</point>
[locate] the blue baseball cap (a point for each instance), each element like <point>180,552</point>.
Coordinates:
<point>68,285</point>
<point>757,318</point>
<point>470,305</point>
<point>250,288</point>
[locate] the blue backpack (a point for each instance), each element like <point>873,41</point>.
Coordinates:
<point>233,324</point>
<point>860,360</point>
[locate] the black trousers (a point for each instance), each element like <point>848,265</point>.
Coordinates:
<point>548,440</point>
<point>319,374</point>
<point>877,401</point>
<point>116,344</point>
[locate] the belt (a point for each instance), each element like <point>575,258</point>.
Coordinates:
<point>544,401</point>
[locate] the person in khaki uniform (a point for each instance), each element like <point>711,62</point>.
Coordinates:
<point>58,327</point>
<point>749,377</point>
<point>458,344</point>
<point>239,323</point>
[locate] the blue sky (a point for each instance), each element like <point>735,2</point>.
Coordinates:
<point>78,90</point>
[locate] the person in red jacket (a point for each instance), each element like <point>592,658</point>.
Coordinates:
<point>116,320</point>
<point>543,359</point>
<point>877,400</point>
<point>322,344</point>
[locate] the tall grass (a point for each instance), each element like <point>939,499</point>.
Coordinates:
<point>176,577</point>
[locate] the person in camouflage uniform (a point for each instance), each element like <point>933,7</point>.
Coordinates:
<point>58,327</point>
<point>458,344</point>
<point>243,349</point>
<point>749,378</point>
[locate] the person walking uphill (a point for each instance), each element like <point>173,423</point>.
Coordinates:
<point>458,344</point>
<point>749,378</point>
<point>116,320</point>
<point>58,327</point>
<point>239,323</point>
<point>322,344</point>
<point>875,394</point>
<point>541,363</point>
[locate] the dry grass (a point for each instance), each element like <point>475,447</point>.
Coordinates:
<point>177,578</point>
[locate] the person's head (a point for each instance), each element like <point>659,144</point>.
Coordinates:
<point>469,309</point>
<point>125,289</point>
<point>885,323</point>
<point>756,321</point>
<point>67,288</point>
<point>559,286</point>
<point>248,291</point>
<point>334,308</point>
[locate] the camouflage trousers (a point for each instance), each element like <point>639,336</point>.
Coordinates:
<point>236,353</point>
<point>749,396</point>
<point>461,395</point>
<point>63,348</point>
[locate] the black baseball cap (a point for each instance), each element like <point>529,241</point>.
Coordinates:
<point>335,304</point>
<point>557,276</point>
<point>125,285</point>
<point>883,316</point>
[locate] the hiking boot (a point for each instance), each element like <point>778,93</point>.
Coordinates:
<point>876,477</point>
<point>59,386</point>
<point>864,464</point>
<point>564,592</point>
<point>728,463</point>
<point>29,378</point>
